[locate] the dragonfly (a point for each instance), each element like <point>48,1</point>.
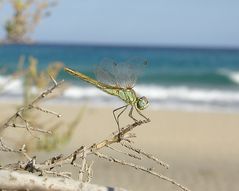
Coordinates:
<point>118,79</point>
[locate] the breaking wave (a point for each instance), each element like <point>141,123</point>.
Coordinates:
<point>173,97</point>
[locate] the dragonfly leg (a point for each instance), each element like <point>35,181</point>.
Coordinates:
<point>141,114</point>
<point>117,118</point>
<point>131,113</point>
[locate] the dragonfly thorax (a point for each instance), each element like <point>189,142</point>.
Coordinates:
<point>128,95</point>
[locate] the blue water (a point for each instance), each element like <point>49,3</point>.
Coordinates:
<point>176,76</point>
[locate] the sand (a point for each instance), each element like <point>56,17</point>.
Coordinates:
<point>202,148</point>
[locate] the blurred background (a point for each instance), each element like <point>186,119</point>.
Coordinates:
<point>191,81</point>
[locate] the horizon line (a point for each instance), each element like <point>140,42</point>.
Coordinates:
<point>132,45</point>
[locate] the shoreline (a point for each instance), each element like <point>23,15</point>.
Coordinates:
<point>113,105</point>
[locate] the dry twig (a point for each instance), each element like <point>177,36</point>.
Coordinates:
<point>83,165</point>
<point>137,167</point>
<point>11,122</point>
<point>149,156</point>
<point>128,154</point>
<point>22,150</point>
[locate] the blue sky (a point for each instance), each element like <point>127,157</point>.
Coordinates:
<point>141,22</point>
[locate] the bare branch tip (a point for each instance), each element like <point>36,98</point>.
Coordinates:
<point>54,81</point>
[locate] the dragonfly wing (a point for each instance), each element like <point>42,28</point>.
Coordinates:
<point>105,72</point>
<point>132,69</point>
<point>122,75</point>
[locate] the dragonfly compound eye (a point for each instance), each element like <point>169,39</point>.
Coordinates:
<point>142,103</point>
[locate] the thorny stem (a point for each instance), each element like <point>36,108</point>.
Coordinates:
<point>137,167</point>
<point>89,172</point>
<point>150,156</point>
<point>94,147</point>
<point>18,114</point>
<point>22,150</point>
<point>83,165</point>
<point>128,154</point>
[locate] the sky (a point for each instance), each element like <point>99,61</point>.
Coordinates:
<point>204,23</point>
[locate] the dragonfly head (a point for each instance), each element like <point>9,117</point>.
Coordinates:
<point>142,103</point>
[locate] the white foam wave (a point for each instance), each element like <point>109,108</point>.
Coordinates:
<point>162,93</point>
<point>77,92</point>
<point>185,98</point>
<point>10,85</point>
<point>190,94</point>
<point>159,96</point>
<point>232,75</point>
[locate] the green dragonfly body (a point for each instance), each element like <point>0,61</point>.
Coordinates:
<point>127,94</point>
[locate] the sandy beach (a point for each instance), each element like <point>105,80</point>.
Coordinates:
<point>202,148</point>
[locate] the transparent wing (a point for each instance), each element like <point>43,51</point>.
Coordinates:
<point>122,74</point>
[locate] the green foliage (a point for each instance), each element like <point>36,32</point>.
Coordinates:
<point>38,79</point>
<point>26,16</point>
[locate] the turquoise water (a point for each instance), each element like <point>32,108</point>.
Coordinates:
<point>174,77</point>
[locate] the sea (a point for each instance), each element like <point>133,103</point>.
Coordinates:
<point>190,79</point>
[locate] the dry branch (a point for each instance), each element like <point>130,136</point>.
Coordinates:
<point>83,165</point>
<point>137,167</point>
<point>149,156</point>
<point>125,153</point>
<point>22,150</point>
<point>33,105</point>
<point>22,181</point>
